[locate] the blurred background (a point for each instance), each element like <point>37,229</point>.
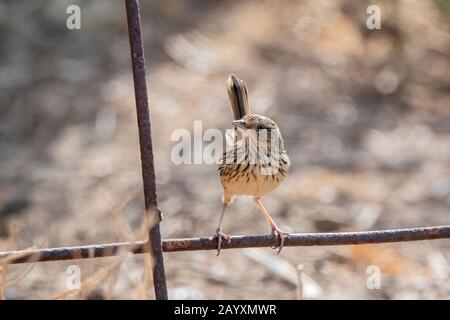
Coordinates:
<point>365,115</point>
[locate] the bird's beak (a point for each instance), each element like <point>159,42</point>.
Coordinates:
<point>239,123</point>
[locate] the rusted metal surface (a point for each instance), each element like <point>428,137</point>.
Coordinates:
<point>312,239</point>
<point>73,253</point>
<point>145,141</point>
<point>208,243</point>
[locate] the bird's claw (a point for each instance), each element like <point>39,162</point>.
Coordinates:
<point>281,235</point>
<point>219,235</point>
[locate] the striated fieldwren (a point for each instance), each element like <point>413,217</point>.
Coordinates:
<point>255,161</point>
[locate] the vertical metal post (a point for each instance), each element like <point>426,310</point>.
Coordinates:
<point>145,141</point>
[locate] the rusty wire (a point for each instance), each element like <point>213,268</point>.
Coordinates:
<point>208,243</point>
<point>146,147</point>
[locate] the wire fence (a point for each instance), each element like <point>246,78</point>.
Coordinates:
<point>154,245</point>
<point>236,242</point>
<point>145,141</point>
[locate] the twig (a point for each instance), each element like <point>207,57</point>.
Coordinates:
<point>299,290</point>
<point>208,243</point>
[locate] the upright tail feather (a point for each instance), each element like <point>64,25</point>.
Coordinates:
<point>237,93</point>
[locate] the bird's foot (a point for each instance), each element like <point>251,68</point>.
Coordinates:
<point>219,235</point>
<point>281,235</point>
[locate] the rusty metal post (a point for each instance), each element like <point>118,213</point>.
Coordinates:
<point>145,140</point>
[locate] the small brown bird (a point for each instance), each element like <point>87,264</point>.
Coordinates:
<point>255,163</point>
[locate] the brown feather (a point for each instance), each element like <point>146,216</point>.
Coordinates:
<point>237,93</point>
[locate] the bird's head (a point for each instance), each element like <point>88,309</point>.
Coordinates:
<point>255,122</point>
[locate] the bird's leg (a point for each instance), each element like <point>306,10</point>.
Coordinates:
<point>276,232</point>
<point>219,234</point>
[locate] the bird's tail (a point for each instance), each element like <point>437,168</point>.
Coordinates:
<point>237,93</point>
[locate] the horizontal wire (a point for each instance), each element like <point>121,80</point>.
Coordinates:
<point>236,242</point>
